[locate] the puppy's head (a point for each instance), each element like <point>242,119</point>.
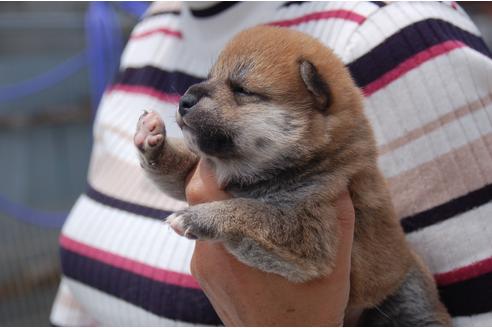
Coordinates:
<point>275,98</point>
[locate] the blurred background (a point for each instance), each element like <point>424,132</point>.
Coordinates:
<point>55,61</point>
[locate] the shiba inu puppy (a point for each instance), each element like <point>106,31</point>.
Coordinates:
<point>281,122</point>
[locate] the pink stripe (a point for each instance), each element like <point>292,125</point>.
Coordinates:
<point>410,64</point>
<point>142,269</point>
<point>170,98</point>
<point>162,30</point>
<point>468,272</point>
<point>342,14</point>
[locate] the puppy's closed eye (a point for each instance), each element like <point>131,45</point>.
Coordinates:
<point>244,95</point>
<point>239,90</point>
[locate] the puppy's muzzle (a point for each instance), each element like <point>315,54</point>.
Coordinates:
<point>186,103</point>
<point>191,97</point>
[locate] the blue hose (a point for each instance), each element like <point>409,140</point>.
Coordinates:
<point>32,216</point>
<point>44,80</point>
<point>104,47</point>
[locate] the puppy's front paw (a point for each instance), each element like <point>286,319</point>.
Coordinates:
<point>150,135</point>
<point>191,225</point>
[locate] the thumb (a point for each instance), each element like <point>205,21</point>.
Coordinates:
<point>202,186</point>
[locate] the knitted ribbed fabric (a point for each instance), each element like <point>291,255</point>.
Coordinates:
<point>427,78</point>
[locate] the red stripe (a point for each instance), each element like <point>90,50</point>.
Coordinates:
<point>161,30</point>
<point>139,268</point>
<point>342,14</point>
<point>170,98</point>
<point>410,64</point>
<point>468,272</point>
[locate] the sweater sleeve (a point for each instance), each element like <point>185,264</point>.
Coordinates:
<point>427,79</point>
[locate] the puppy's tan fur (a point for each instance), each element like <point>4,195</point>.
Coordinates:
<point>380,255</point>
<point>282,123</point>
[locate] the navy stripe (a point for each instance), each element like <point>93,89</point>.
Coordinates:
<point>213,10</point>
<point>406,43</point>
<point>126,206</point>
<point>447,210</point>
<point>290,3</point>
<point>469,297</point>
<point>191,305</point>
<point>164,300</point>
<point>169,82</point>
<point>380,4</point>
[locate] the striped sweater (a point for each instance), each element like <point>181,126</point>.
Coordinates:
<point>427,79</point>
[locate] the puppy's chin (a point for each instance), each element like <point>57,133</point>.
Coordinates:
<point>190,139</point>
<point>185,122</point>
<point>209,141</point>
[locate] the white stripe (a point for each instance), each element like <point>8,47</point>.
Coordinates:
<point>170,53</point>
<point>151,23</point>
<point>130,107</point>
<point>66,311</point>
<point>149,241</point>
<point>399,108</point>
<point>439,142</point>
<point>159,47</point>
<point>363,8</point>
<point>408,102</point>
<point>201,38</point>
<point>477,320</point>
<point>333,33</point>
<point>165,53</point>
<point>106,177</point>
<point>455,242</point>
<point>111,143</point>
<point>163,8</point>
<point>111,311</point>
<point>394,17</point>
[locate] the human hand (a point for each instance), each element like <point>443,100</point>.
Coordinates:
<point>245,296</point>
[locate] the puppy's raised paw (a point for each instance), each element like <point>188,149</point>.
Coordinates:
<point>150,134</point>
<point>189,224</point>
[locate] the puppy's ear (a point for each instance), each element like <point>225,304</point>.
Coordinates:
<point>315,84</point>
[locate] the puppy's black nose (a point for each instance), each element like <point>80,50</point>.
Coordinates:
<point>187,101</point>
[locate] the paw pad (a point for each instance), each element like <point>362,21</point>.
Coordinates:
<point>150,132</point>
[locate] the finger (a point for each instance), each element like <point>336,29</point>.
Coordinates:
<point>207,175</point>
<point>202,186</point>
<point>203,264</point>
<point>346,221</point>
